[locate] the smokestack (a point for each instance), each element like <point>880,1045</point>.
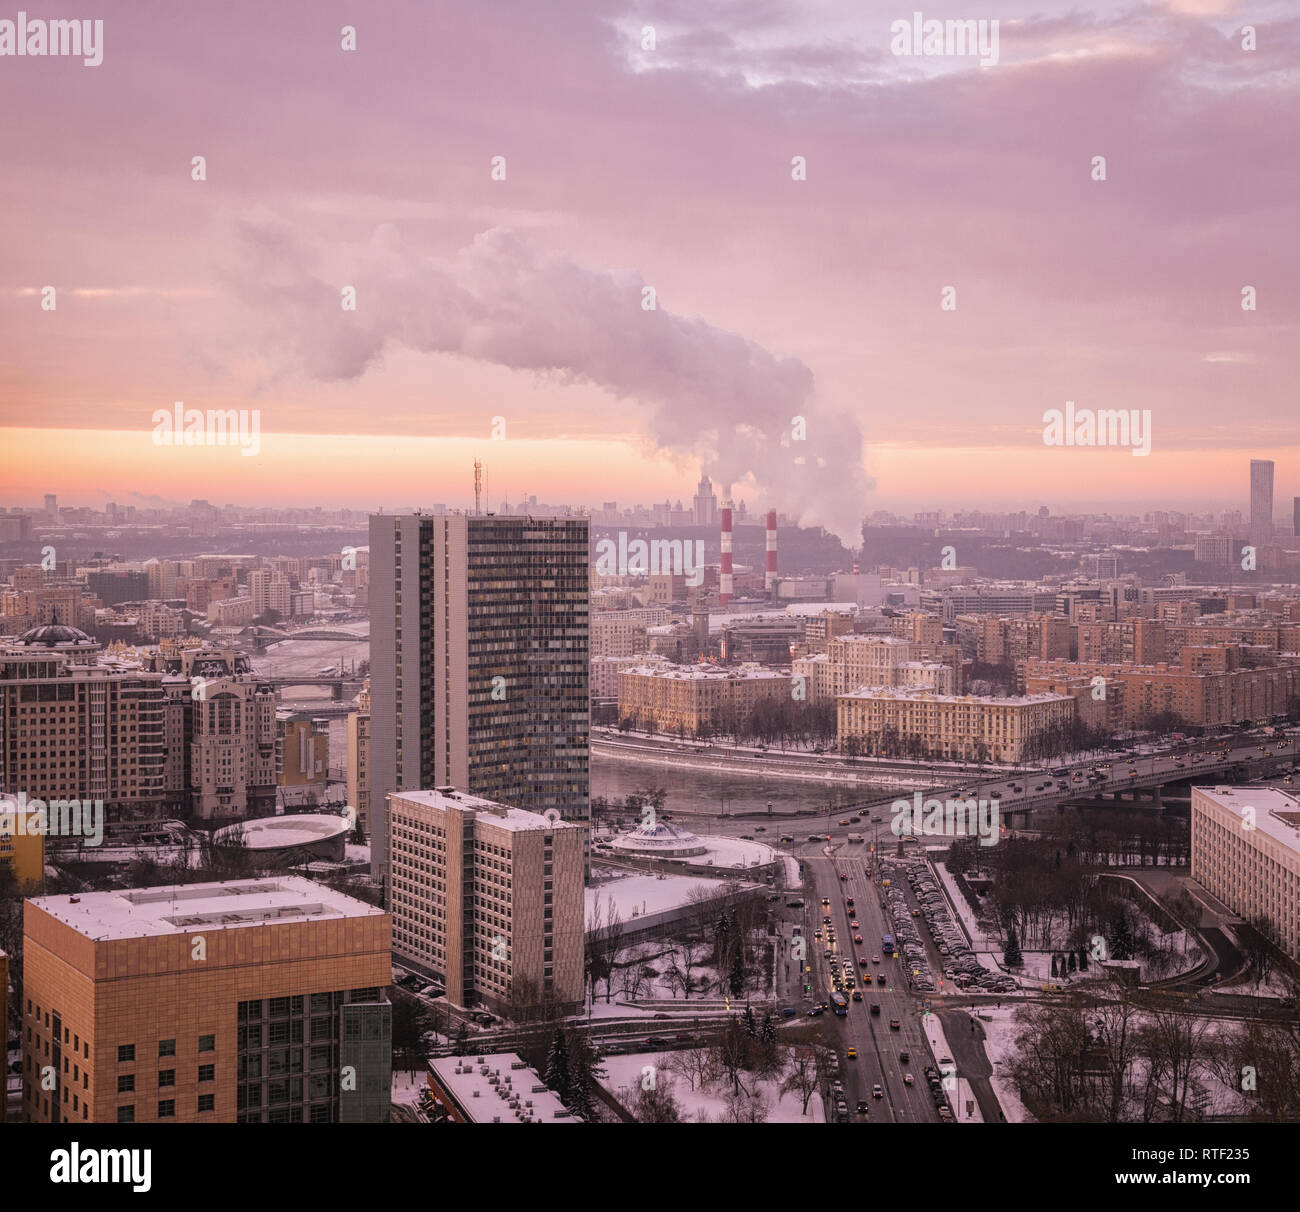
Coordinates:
<point>769,580</point>
<point>724,570</point>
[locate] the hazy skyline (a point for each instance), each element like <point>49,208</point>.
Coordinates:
<point>667,168</point>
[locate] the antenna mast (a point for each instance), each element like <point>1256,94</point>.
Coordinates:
<point>478,484</point>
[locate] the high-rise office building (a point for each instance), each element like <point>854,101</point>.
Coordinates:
<point>1295,517</point>
<point>488,898</point>
<point>244,1001</point>
<point>478,667</point>
<point>1261,500</point>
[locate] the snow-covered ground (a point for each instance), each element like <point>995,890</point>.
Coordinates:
<point>636,895</point>
<point>626,1074</point>
<point>999,1046</point>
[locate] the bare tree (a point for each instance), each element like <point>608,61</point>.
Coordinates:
<point>695,1066</point>
<point>807,1067</point>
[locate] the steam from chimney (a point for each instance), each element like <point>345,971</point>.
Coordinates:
<point>710,394</point>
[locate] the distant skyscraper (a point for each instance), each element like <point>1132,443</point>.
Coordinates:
<point>1295,517</point>
<point>1261,500</point>
<point>478,662</point>
<point>706,503</point>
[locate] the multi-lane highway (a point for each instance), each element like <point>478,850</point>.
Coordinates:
<point>878,1045</point>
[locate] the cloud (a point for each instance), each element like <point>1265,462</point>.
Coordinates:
<point>708,393</point>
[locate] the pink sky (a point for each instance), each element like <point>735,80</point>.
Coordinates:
<point>668,168</point>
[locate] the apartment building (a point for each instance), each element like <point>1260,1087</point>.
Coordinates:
<point>878,719</point>
<point>479,648</point>
<point>358,774</point>
<point>249,1001</point>
<point>488,898</point>
<point>1209,687</point>
<point>76,723</point>
<point>1246,852</point>
<point>618,633</point>
<point>668,697</point>
<point>855,660</point>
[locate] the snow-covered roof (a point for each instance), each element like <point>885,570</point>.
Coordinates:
<point>499,1088</point>
<point>183,908</point>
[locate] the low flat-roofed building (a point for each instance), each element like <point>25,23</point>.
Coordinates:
<point>240,1001</point>
<point>1246,852</point>
<point>498,1088</point>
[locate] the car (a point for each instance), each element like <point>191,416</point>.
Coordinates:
<point>857,995</point>
<point>875,959</point>
<point>866,978</point>
<point>875,1009</point>
<point>657,1041</point>
<point>854,820</point>
<point>907,1080</point>
<point>843,878</point>
<point>760,828</point>
<point>844,822</point>
<point>854,925</point>
<point>826,900</point>
<point>849,903</point>
<point>662,1016</point>
<point>817,935</point>
<point>916,913</point>
<point>895,1025</point>
<point>904,1056</point>
<point>862,1106</point>
<point>852,1053</point>
<point>876,1091</point>
<point>816,1012</point>
<point>789,1012</point>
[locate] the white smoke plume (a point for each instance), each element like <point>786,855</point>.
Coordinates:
<point>708,393</point>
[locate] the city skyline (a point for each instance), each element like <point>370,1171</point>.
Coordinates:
<point>818,295</point>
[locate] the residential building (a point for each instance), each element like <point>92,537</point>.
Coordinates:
<point>879,719</point>
<point>691,698</point>
<point>488,898</point>
<point>1246,852</point>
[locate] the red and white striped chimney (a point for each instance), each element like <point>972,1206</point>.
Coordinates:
<point>769,581</point>
<point>724,569</point>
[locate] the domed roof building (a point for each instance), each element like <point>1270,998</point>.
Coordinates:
<point>56,635</point>
<point>659,840</point>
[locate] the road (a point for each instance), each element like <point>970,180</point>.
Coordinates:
<point>877,1044</point>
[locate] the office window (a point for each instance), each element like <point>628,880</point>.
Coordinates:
<point>126,1083</point>
<point>166,1077</point>
<point>167,1108</point>
<point>166,1047</point>
<point>207,1102</point>
<point>207,1043</point>
<point>207,1073</point>
<point>125,1053</point>
<point>126,1115</point>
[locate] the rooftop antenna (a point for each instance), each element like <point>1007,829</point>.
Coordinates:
<point>478,484</point>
